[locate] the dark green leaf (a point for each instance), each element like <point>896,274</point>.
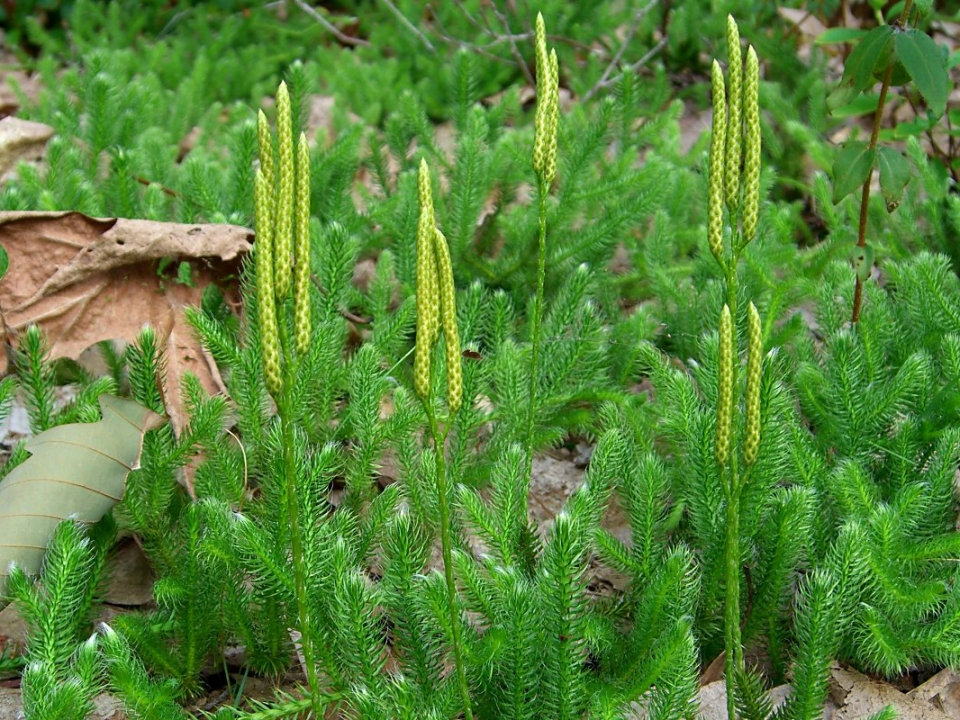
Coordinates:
<point>899,76</point>
<point>863,61</point>
<point>4,261</point>
<point>851,167</point>
<point>925,62</point>
<point>894,173</point>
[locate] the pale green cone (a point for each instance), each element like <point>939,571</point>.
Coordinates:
<point>266,308</point>
<point>301,268</point>
<point>543,96</point>
<point>428,300</point>
<point>715,183</point>
<point>751,150</point>
<point>265,150</point>
<point>283,213</point>
<point>734,124</point>
<point>448,320</point>
<point>552,121</point>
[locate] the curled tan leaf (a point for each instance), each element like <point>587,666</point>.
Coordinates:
<point>84,279</point>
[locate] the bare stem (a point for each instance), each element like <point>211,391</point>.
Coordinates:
<point>731,481</point>
<point>536,322</point>
<point>287,431</point>
<point>733,662</point>
<point>330,27</point>
<point>439,440</point>
<point>865,194</point>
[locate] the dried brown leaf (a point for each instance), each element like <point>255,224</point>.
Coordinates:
<point>859,696</point>
<point>21,140</point>
<point>84,279</point>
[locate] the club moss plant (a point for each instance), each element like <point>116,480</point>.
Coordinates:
<point>437,311</point>
<point>545,166</point>
<point>735,143</point>
<point>279,181</point>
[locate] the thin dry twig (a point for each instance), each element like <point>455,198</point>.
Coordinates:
<point>513,45</point>
<point>409,25</point>
<point>632,67</point>
<point>485,28</point>
<point>462,44</point>
<point>492,25</point>
<point>615,60</point>
<point>345,39</point>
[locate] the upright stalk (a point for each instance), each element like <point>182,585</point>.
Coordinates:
<point>733,660</point>
<point>287,432</point>
<point>536,322</point>
<point>732,479</point>
<point>436,310</point>
<point>731,280</point>
<point>727,470</point>
<point>282,216</point>
<point>439,441</point>
<point>545,165</point>
<point>735,141</point>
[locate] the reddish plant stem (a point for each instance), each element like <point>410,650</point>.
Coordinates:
<point>865,195</point>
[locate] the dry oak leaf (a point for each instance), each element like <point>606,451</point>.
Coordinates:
<point>858,696</point>
<point>84,279</point>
